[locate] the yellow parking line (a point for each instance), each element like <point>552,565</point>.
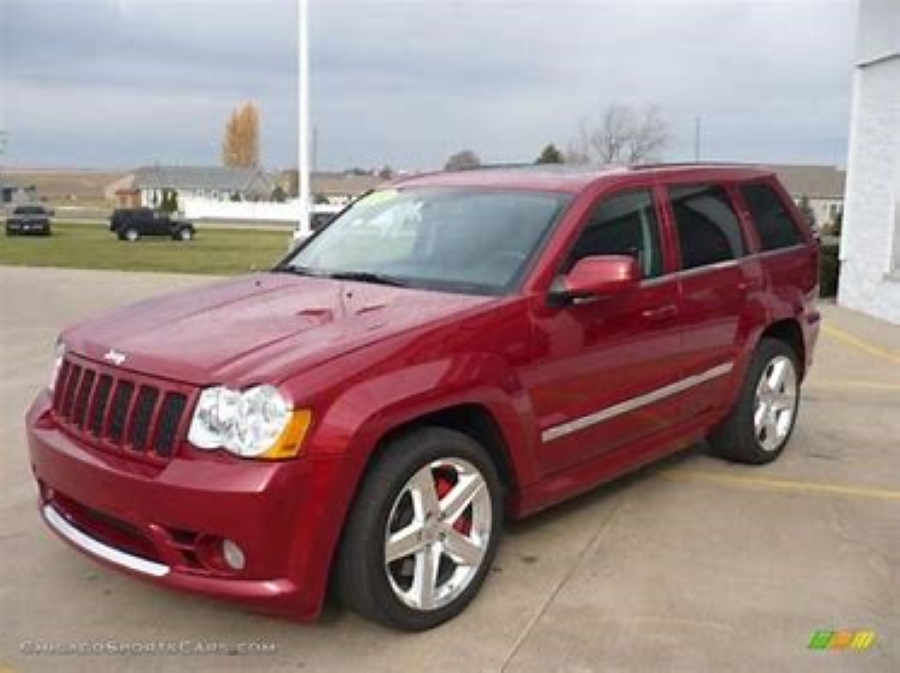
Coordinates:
<point>787,485</point>
<point>851,340</point>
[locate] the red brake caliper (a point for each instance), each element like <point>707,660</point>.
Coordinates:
<point>443,486</point>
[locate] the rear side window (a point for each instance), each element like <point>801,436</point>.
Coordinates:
<point>624,224</point>
<point>708,227</point>
<point>773,223</point>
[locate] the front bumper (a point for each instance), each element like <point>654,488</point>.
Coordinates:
<point>166,523</point>
<point>28,228</point>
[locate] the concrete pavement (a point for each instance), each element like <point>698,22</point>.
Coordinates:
<point>691,565</point>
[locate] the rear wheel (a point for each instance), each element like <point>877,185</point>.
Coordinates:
<point>423,531</point>
<point>131,234</point>
<point>760,425</point>
<point>185,234</point>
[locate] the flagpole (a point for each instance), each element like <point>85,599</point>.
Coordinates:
<point>303,170</point>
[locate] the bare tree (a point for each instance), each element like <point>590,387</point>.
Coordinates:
<point>240,145</point>
<point>624,136</point>
<point>462,160</point>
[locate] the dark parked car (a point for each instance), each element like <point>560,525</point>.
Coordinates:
<point>129,224</point>
<point>29,220</point>
<point>451,351</point>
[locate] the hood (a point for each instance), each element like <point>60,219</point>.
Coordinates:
<point>262,327</point>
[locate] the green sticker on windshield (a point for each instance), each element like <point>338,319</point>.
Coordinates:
<point>381,196</point>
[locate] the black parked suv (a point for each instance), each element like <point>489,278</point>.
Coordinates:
<point>29,220</point>
<point>129,224</point>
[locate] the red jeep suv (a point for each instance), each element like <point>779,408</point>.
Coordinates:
<point>452,350</point>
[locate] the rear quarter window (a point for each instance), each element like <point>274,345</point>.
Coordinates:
<point>773,223</point>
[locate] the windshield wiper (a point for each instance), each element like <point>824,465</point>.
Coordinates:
<point>366,277</point>
<point>298,270</point>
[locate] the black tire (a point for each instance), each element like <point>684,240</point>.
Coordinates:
<point>130,234</point>
<point>361,572</point>
<point>185,234</point>
<point>736,438</point>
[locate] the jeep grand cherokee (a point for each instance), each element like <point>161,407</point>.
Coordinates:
<point>453,350</point>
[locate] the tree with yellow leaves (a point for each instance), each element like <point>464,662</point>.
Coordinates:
<point>240,146</point>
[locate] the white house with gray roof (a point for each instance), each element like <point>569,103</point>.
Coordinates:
<point>870,240</point>
<point>147,185</point>
<point>821,186</point>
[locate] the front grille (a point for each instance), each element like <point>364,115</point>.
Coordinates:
<point>119,410</point>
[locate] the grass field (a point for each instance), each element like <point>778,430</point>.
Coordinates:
<point>93,246</point>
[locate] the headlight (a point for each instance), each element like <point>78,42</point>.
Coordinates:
<point>255,423</point>
<point>57,365</point>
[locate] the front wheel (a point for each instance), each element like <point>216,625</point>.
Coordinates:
<point>184,234</point>
<point>422,532</point>
<point>760,425</point>
<point>131,235</point>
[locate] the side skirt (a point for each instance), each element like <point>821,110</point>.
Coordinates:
<point>583,477</point>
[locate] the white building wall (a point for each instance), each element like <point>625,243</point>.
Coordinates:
<point>870,266</point>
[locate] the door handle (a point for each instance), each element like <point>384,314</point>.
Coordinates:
<point>661,313</point>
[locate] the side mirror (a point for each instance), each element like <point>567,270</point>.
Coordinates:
<point>598,276</point>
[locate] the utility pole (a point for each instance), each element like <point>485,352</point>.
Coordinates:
<point>697,131</point>
<point>303,174</point>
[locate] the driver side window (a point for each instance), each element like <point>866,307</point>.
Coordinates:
<point>624,224</point>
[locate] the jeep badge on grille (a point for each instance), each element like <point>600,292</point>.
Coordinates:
<point>115,357</point>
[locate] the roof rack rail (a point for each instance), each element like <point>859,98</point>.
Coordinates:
<point>697,164</point>
<point>438,171</point>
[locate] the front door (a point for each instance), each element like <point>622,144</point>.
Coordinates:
<point>601,369</point>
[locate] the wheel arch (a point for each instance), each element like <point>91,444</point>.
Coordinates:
<point>472,419</point>
<point>788,330</point>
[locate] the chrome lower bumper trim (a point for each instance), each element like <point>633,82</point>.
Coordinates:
<point>97,548</point>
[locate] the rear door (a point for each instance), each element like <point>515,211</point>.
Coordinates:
<point>159,224</point>
<point>601,365</point>
<point>718,285</point>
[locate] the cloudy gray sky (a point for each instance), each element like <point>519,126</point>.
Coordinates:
<point>116,83</point>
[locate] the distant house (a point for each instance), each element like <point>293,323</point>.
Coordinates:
<point>12,192</point>
<point>148,184</point>
<point>341,188</point>
<point>822,186</point>
<point>335,187</point>
<point>870,240</point>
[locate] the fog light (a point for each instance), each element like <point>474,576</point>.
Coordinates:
<point>234,555</point>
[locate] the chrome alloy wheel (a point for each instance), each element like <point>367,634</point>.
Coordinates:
<point>775,404</point>
<point>437,533</point>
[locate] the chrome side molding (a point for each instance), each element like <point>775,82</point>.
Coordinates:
<point>583,422</point>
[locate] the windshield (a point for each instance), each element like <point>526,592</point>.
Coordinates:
<point>444,239</point>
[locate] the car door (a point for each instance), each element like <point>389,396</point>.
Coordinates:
<point>159,224</point>
<point>717,280</point>
<point>600,366</point>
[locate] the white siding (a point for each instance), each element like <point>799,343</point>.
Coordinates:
<point>869,278</point>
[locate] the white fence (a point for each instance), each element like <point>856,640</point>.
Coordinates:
<point>240,211</point>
